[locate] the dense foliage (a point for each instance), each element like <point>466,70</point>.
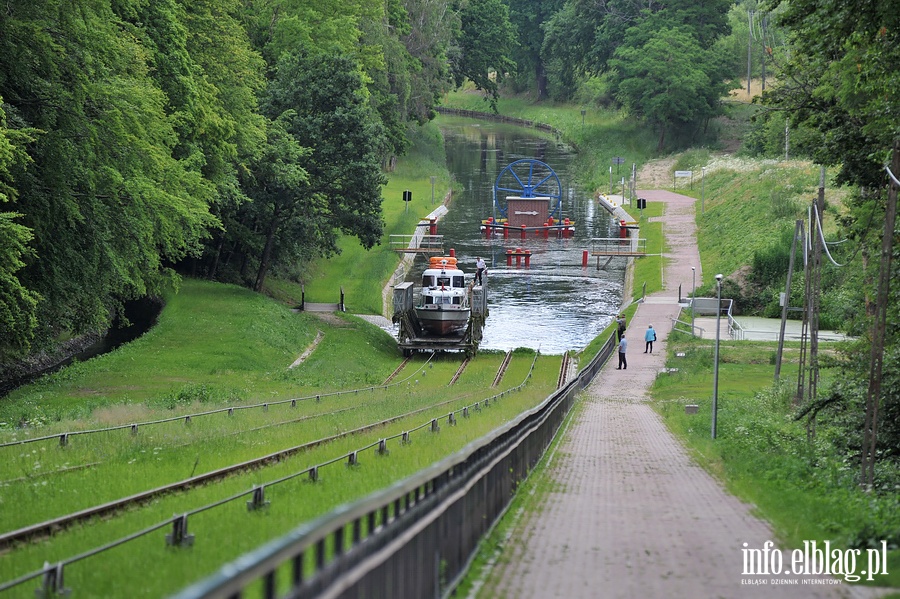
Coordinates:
<point>840,84</point>
<point>224,138</point>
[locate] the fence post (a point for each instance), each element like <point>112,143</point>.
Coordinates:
<point>179,536</point>
<point>52,582</point>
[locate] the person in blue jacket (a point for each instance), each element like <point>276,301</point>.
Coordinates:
<point>649,337</point>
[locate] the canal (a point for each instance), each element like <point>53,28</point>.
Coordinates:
<point>555,304</point>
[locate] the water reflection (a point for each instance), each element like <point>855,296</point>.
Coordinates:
<point>555,304</point>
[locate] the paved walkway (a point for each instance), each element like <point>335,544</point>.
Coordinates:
<point>628,514</point>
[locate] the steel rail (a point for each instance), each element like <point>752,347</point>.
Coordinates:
<point>231,409</point>
<point>57,568</point>
<point>48,527</point>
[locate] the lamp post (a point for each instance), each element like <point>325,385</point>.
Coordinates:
<point>715,401</point>
<point>693,295</point>
<point>432,189</point>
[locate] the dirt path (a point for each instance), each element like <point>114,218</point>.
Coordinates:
<point>628,513</point>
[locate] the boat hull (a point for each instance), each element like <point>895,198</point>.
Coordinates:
<point>443,322</point>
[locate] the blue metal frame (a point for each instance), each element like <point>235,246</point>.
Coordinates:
<point>523,173</point>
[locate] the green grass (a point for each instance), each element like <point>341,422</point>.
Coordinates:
<point>746,206</point>
<point>803,489</point>
<point>213,343</point>
<point>648,269</point>
<point>226,532</point>
<point>361,273</point>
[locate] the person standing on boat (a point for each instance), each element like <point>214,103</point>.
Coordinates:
<point>481,266</point>
<point>623,345</point>
<point>649,337</point>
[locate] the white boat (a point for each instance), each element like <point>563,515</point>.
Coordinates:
<point>443,307</point>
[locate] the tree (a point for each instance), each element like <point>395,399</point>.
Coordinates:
<point>485,46</point>
<point>18,304</point>
<point>666,77</point>
<point>278,186</point>
<point>841,81</point>
<point>108,203</point>
<point>530,18</point>
<point>321,101</point>
<point>433,26</point>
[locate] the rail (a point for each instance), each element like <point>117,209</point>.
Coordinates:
<point>416,538</point>
<point>52,573</point>
<point>618,246</point>
<point>686,327</point>
<point>65,436</point>
<point>418,242</point>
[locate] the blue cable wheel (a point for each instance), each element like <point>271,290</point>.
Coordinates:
<point>528,178</point>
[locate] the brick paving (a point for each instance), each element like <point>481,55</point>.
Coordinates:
<point>628,513</point>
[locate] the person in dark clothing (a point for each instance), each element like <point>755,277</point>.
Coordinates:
<point>649,338</point>
<point>623,345</point>
<point>621,322</point>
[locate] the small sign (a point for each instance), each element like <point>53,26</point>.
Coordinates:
<point>641,203</point>
<point>684,173</point>
<point>407,196</point>
<point>618,160</point>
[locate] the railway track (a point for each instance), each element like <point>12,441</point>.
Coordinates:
<point>502,370</point>
<point>564,369</point>
<point>48,527</point>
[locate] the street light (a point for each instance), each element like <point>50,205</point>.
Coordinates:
<point>715,402</point>
<point>432,189</point>
<point>693,295</point>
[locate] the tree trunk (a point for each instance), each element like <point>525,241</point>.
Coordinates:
<point>879,324</point>
<point>215,261</point>
<point>267,253</point>
<point>540,77</point>
<point>662,138</point>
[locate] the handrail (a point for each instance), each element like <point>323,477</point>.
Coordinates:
<point>426,528</point>
<point>53,572</point>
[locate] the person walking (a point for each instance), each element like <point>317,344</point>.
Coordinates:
<point>623,345</point>
<point>481,266</point>
<point>649,338</point>
<point>621,322</point>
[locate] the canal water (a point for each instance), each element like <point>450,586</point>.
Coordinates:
<point>555,304</point>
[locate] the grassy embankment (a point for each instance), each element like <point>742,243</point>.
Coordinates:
<point>218,346</point>
<point>807,490</point>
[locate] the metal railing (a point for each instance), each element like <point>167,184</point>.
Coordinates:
<point>417,242</point>
<point>52,574</point>
<point>618,246</point>
<point>687,327</point>
<point>416,538</point>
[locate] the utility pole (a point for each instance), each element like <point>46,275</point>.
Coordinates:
<point>813,288</point>
<point>876,360</point>
<point>798,232</point>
